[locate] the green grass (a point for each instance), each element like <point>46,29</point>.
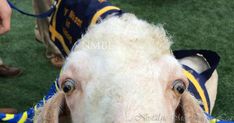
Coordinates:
<point>193,24</point>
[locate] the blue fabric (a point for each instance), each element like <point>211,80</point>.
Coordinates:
<point>221,121</point>
<point>193,90</point>
<point>213,60</point>
<point>211,57</point>
<point>2,115</point>
<point>16,118</point>
<point>218,121</point>
<point>83,10</point>
<point>41,15</point>
<point>31,111</point>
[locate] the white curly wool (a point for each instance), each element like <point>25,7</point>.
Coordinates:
<point>124,73</point>
<point>127,37</point>
<point>119,54</point>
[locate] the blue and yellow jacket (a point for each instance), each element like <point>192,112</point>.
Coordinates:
<point>197,80</point>
<point>72,18</point>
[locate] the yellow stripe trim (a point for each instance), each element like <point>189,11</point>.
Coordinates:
<point>8,117</point>
<point>54,33</point>
<point>56,86</point>
<point>60,38</point>
<point>35,108</point>
<point>23,118</point>
<point>54,18</point>
<point>199,89</point>
<point>55,13</point>
<point>102,11</point>
<point>44,101</point>
<point>213,121</point>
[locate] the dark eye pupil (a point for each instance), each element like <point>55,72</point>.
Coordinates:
<point>67,88</point>
<point>180,89</point>
<point>69,85</point>
<point>179,86</point>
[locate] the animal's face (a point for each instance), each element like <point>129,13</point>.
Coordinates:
<point>138,92</point>
<point>132,79</point>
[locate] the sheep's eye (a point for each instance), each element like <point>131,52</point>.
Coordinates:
<point>68,86</point>
<point>179,86</point>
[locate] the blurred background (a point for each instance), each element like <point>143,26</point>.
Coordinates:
<point>192,24</point>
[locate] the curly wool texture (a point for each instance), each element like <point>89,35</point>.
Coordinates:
<point>115,53</point>
<point>123,70</point>
<point>127,37</point>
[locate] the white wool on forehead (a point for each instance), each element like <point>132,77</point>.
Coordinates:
<point>122,45</point>
<point>120,54</point>
<point>121,51</point>
<point>126,37</point>
<point>126,90</point>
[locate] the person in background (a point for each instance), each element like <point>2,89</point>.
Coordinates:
<point>42,32</point>
<point>5,24</point>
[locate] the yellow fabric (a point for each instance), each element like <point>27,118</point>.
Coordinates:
<point>213,121</point>
<point>55,13</point>
<point>102,11</point>
<point>199,89</point>
<point>23,118</point>
<point>55,34</point>
<point>35,108</point>
<point>8,117</point>
<point>56,86</point>
<point>44,100</point>
<point>54,19</point>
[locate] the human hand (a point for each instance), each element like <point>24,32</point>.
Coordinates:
<point>5,17</point>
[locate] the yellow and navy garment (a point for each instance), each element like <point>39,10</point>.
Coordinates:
<point>72,18</point>
<point>197,80</point>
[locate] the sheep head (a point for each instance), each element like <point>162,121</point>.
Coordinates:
<point>122,72</point>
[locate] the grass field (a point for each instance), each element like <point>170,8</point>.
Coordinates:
<point>193,24</point>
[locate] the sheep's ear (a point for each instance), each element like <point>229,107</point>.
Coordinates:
<point>192,111</point>
<point>54,111</point>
